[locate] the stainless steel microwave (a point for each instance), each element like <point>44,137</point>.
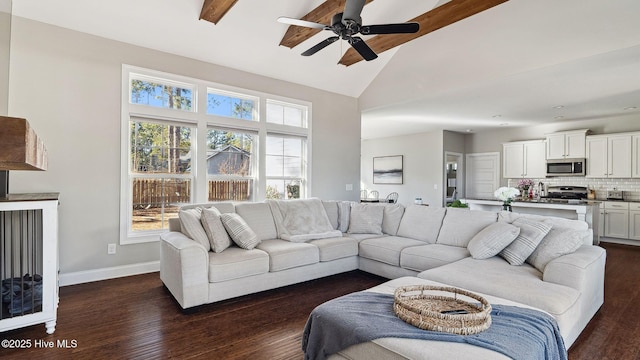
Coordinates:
<point>566,167</point>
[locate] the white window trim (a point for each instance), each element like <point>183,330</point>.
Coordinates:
<point>201,121</point>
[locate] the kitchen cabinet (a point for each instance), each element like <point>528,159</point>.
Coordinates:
<point>608,156</point>
<point>567,145</point>
<point>635,156</point>
<point>634,221</point>
<point>616,219</point>
<point>524,159</point>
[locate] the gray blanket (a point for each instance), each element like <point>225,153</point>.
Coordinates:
<point>517,332</point>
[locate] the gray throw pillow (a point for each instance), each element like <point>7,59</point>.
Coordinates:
<point>492,239</point>
<point>215,230</point>
<point>240,231</point>
<point>192,227</point>
<point>366,219</point>
<point>531,234</point>
<point>558,242</point>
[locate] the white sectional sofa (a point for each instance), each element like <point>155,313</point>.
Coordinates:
<point>457,247</point>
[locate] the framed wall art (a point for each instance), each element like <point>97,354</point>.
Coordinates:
<point>387,169</point>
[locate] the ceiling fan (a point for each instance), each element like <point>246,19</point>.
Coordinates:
<point>349,23</point>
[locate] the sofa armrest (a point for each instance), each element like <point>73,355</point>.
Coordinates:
<point>582,270</point>
<point>184,269</point>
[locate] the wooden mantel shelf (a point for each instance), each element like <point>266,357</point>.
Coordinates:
<point>20,147</point>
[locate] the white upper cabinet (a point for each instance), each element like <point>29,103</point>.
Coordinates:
<point>635,156</point>
<point>567,145</point>
<point>524,159</point>
<point>609,156</point>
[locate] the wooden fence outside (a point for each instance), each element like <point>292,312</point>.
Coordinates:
<point>156,192</point>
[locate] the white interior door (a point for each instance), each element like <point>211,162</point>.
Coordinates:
<point>482,175</point>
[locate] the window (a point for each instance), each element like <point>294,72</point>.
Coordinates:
<point>285,163</point>
<point>161,94</point>
<point>253,146</point>
<point>159,173</point>
<point>286,114</point>
<point>230,165</point>
<point>228,104</point>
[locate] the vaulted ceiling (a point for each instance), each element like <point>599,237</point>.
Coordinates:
<point>513,63</point>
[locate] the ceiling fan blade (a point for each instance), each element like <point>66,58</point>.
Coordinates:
<point>402,28</point>
<point>321,45</point>
<point>303,23</point>
<point>352,10</point>
<point>362,48</point>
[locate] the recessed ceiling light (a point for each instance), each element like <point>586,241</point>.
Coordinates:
<point>469,130</point>
<point>630,108</point>
<point>559,117</point>
<point>558,106</point>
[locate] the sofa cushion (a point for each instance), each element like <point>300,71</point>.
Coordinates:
<point>391,218</point>
<point>192,227</point>
<point>421,223</point>
<point>386,249</point>
<point>234,263</point>
<point>258,216</point>
<point>286,254</point>
<point>366,219</point>
<point>460,225</point>
<point>360,237</point>
<point>496,277</point>
<point>331,208</point>
<point>344,213</point>
<point>559,241</point>
<point>492,239</point>
<point>240,231</point>
<point>420,258</point>
<point>510,217</point>
<point>336,248</point>
<point>531,233</point>
<point>217,234</point>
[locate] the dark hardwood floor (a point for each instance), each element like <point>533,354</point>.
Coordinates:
<point>136,318</point>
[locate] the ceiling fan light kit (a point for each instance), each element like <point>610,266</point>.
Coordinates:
<point>347,24</point>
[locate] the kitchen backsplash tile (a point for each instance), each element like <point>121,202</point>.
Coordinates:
<point>631,187</point>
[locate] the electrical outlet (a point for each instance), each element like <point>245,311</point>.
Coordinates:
<point>435,186</point>
<point>349,187</point>
<point>111,249</point>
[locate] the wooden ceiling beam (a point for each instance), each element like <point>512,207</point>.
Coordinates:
<point>295,35</point>
<point>214,10</point>
<point>440,17</point>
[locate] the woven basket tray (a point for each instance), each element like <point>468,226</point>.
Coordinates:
<point>422,306</point>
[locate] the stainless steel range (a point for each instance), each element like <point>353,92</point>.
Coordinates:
<point>567,192</point>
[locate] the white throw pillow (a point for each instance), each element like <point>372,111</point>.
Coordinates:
<point>531,234</point>
<point>215,230</point>
<point>392,216</point>
<point>366,219</point>
<point>558,242</point>
<point>191,226</point>
<point>240,231</point>
<point>492,239</point>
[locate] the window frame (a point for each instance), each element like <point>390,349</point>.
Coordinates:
<point>201,121</point>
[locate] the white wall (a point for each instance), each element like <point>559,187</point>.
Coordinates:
<point>67,84</point>
<point>423,166</point>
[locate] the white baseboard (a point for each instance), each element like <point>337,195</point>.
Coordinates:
<point>81,277</point>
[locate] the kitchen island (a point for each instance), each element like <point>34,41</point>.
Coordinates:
<point>585,210</point>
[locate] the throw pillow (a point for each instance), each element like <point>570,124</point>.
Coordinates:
<point>215,230</point>
<point>492,239</point>
<point>558,242</point>
<point>191,226</point>
<point>531,234</point>
<point>240,231</point>
<point>366,219</point>
<point>391,218</point>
